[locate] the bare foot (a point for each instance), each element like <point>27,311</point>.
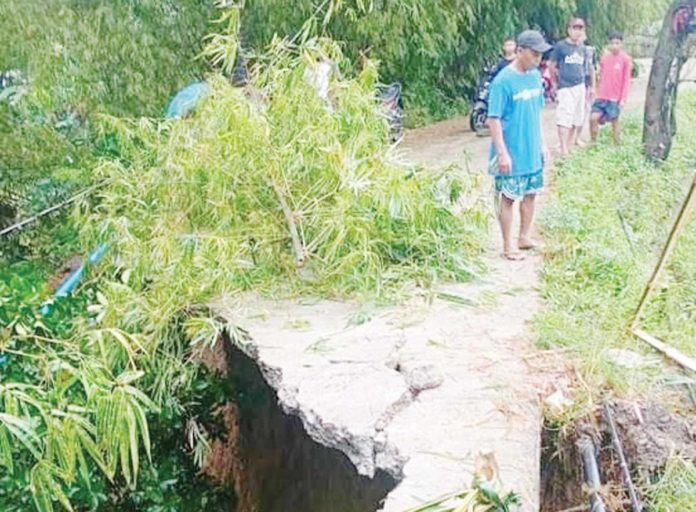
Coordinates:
<point>513,256</point>
<point>526,244</point>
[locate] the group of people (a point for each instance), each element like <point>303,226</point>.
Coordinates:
<point>519,152</point>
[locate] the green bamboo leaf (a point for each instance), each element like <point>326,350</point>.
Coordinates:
<point>6,450</point>
<point>128,377</point>
<point>143,427</point>
<point>133,441</point>
<point>23,431</point>
<point>92,449</point>
<point>58,493</point>
<point>123,442</point>
<point>40,490</point>
<point>84,469</point>
<point>139,396</point>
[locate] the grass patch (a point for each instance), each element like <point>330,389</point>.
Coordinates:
<point>676,489</point>
<point>671,314</point>
<point>604,228</point>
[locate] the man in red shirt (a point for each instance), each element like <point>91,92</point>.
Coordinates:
<point>614,81</point>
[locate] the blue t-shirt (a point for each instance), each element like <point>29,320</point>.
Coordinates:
<point>517,100</point>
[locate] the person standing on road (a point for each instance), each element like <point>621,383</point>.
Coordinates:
<point>590,85</point>
<point>614,83</point>
<point>568,65</point>
<point>518,149</point>
<point>509,52</point>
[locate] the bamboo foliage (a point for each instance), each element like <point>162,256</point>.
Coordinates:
<point>242,192</point>
<point>80,419</point>
<point>439,49</point>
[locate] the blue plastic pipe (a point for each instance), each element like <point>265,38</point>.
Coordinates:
<point>68,285</point>
<point>73,279</point>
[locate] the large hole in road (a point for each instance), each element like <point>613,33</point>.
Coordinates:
<point>273,464</point>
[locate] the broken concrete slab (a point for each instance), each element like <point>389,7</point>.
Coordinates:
<point>416,389</point>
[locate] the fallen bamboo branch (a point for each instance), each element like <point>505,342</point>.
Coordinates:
<point>294,235</point>
<point>671,352</point>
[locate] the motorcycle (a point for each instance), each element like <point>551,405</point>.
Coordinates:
<point>394,110</point>
<point>549,91</point>
<point>478,118</point>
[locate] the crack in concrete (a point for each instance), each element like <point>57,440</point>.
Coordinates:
<point>418,378</point>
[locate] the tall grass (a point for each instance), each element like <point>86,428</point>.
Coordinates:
<point>604,229</point>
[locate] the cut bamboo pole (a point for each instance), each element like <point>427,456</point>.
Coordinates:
<point>666,252</point>
<point>671,352</point>
<point>292,227</point>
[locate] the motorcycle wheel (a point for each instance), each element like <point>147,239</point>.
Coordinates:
<point>477,121</point>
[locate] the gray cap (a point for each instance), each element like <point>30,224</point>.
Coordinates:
<point>533,40</point>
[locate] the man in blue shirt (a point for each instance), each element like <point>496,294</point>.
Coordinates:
<point>518,150</point>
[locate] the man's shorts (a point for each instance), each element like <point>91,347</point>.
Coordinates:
<point>572,102</point>
<point>609,110</point>
<point>517,187</point>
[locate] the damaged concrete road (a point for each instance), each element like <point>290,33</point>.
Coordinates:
<point>416,390</point>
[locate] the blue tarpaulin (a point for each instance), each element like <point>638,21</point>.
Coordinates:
<point>186,100</point>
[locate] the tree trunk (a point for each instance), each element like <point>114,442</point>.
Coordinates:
<point>671,53</point>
